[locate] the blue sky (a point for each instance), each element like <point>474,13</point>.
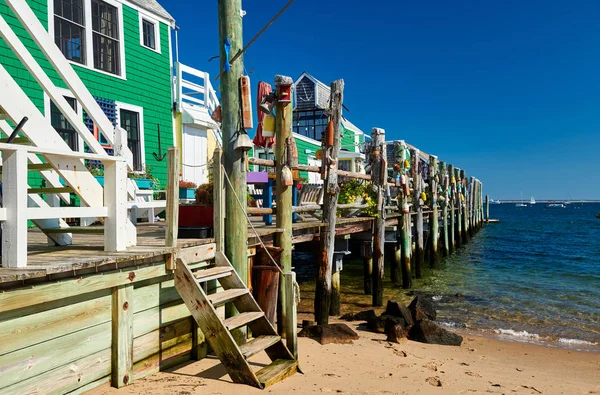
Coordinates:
<point>508,90</point>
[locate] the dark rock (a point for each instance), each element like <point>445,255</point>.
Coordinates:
<point>365,315</point>
<point>426,331</point>
<point>376,324</point>
<point>347,317</point>
<point>399,310</point>
<point>396,333</point>
<point>330,333</point>
<point>390,321</point>
<point>422,309</point>
<point>307,323</point>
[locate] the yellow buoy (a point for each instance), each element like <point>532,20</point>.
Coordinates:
<point>319,154</point>
<point>424,196</point>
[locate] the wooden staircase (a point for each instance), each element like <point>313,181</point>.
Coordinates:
<point>189,280</point>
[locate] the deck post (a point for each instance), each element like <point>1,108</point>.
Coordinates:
<point>418,202</point>
<point>472,206</point>
<point>403,199</point>
<point>283,219</point>
<point>332,190</point>
<point>379,180</point>
<point>434,220</point>
<point>122,335</point>
<point>291,337</point>
<point>172,210</point>
<point>443,171</point>
<point>14,191</point>
<point>452,204</point>
<point>218,201</point>
<point>334,306</point>
<point>465,188</point>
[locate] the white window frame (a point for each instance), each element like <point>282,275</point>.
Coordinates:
<point>140,110</point>
<point>89,50</point>
<point>78,111</point>
<point>156,23</point>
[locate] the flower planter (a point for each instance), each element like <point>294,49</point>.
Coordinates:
<point>144,183</point>
<point>187,193</point>
<point>195,215</point>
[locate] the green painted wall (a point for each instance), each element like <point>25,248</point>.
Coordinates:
<point>147,84</point>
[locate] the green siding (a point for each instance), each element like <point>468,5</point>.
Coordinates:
<point>147,84</point>
<point>303,156</point>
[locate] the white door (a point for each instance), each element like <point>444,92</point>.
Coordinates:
<point>314,178</point>
<point>194,154</point>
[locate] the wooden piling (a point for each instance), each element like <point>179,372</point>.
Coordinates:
<point>465,217</point>
<point>446,199</point>
<point>283,220</point>
<point>418,202</point>
<point>379,180</point>
<point>459,207</point>
<point>291,336</point>
<point>452,204</point>
<point>403,201</point>
<point>334,306</point>
<point>395,261</point>
<point>368,267</point>
<point>434,220</point>
<point>327,232</point>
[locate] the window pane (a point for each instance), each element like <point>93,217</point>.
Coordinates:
<point>106,54</point>
<point>62,126</point>
<point>69,33</point>
<point>105,19</point>
<point>130,121</point>
<point>148,33</point>
<point>70,9</point>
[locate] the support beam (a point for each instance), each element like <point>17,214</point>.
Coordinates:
<point>172,211</point>
<point>403,162</point>
<point>14,195</point>
<point>379,180</point>
<point>459,207</point>
<point>368,267</point>
<point>330,156</point>
<point>465,204</point>
<point>434,221</point>
<point>122,335</point>
<point>334,307</point>
<point>218,201</point>
<point>418,202</point>
<point>443,171</point>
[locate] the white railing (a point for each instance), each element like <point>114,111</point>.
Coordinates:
<point>15,211</point>
<point>193,86</point>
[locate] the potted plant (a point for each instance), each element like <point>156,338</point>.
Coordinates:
<point>200,213</point>
<point>187,189</point>
<point>144,179</point>
<point>97,171</point>
<point>355,191</point>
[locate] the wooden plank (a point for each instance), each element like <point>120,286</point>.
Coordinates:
<point>258,344</point>
<point>96,230</point>
<point>322,302</point>
<point>49,190</point>
<point>152,319</point>
<point>212,273</point>
<point>66,212</point>
<point>291,333</point>
<point>32,361</point>
<point>122,335</point>
<point>200,253</point>
<point>219,201</point>
<point>23,297</point>
<point>52,323</point>
<point>220,298</point>
<point>154,295</point>
<point>14,199</point>
<point>277,371</point>
<point>79,374</point>
<point>172,211</point>
<point>161,339</point>
<point>242,319</point>
<point>164,359</point>
<point>118,235</point>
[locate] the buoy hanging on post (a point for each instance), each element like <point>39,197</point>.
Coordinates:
<point>287,179</point>
<point>330,133</point>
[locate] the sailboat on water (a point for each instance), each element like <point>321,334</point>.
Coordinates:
<point>521,204</point>
<point>532,200</point>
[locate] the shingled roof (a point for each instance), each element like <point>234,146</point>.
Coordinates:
<point>153,7</point>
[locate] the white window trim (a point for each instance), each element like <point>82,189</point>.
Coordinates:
<point>143,16</point>
<point>89,50</point>
<point>47,113</point>
<point>140,110</point>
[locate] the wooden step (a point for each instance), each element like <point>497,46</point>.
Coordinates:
<point>32,191</point>
<point>75,229</point>
<point>212,273</point>
<point>36,167</point>
<point>220,298</point>
<point>258,344</point>
<point>242,319</point>
<point>277,371</point>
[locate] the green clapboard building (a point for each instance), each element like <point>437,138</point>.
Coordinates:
<point>121,50</point>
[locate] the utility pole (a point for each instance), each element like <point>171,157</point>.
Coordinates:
<point>236,229</point>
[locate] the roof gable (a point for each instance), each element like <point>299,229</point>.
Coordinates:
<point>154,7</point>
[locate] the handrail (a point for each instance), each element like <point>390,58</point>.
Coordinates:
<point>54,152</point>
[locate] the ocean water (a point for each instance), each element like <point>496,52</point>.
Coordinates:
<point>535,277</point>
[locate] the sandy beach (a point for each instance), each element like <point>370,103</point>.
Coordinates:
<point>373,366</point>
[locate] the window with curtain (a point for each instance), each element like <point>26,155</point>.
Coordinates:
<point>69,29</point>
<point>105,28</point>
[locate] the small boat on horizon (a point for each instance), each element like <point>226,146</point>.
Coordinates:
<point>497,201</point>
<point>521,204</point>
<point>555,205</point>
<point>532,200</point>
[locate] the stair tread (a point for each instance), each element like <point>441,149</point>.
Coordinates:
<point>220,298</point>
<point>75,229</point>
<point>258,344</point>
<point>277,371</point>
<point>212,273</point>
<point>242,319</point>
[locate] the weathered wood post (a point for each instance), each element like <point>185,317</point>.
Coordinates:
<point>452,203</point>
<point>172,211</point>
<point>291,334</point>
<point>329,161</point>
<point>459,207</point>
<point>465,188</point>
<point>334,306</point>
<point>487,208</point>
<point>368,267</point>
<point>472,206</point>
<point>418,202</point>
<point>283,219</point>
<point>402,160</point>
<point>445,201</point>
<point>236,229</point>
<point>434,220</point>
<point>379,180</point>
